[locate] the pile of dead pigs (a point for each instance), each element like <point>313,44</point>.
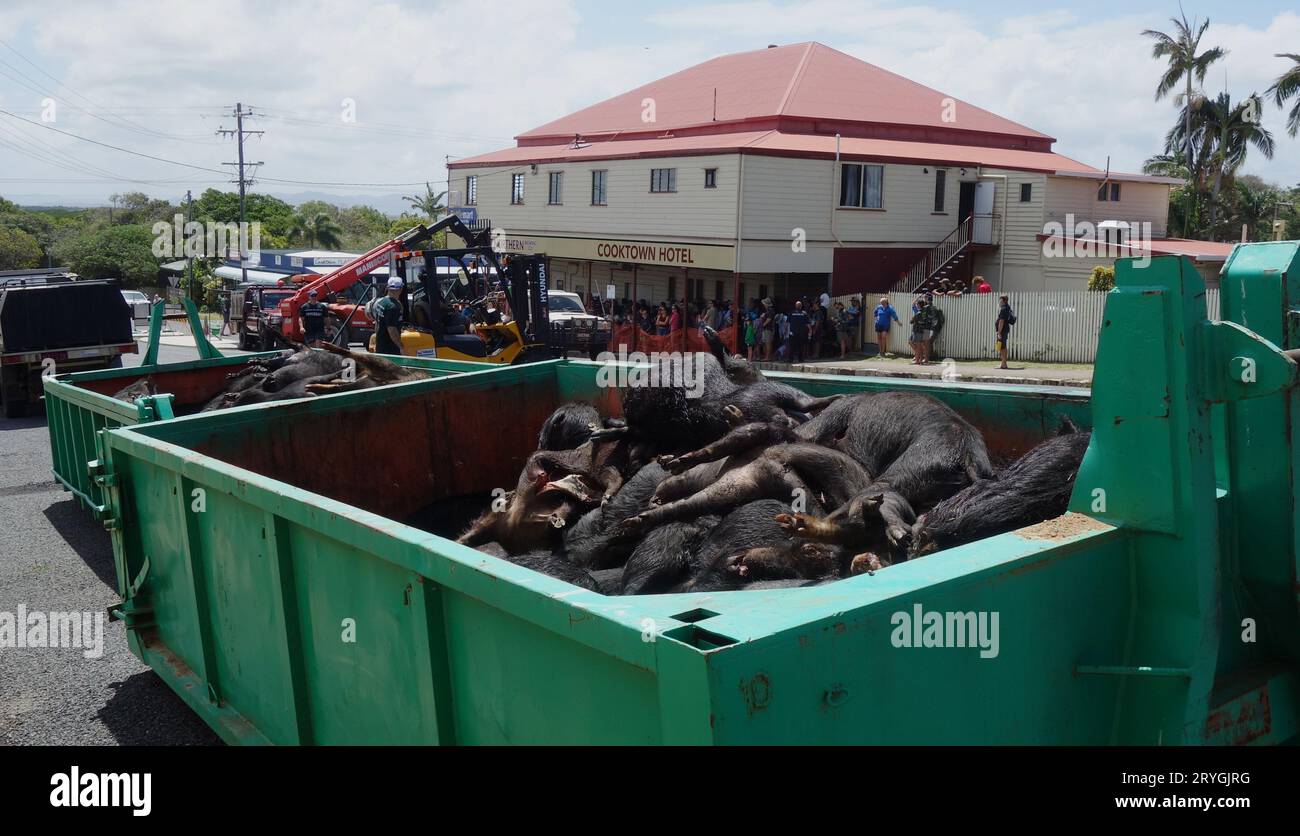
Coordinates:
<point>756,484</point>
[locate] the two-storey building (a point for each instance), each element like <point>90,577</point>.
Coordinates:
<point>798,169</point>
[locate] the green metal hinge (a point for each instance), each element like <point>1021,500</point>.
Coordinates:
<point>154,408</point>
<point>133,611</point>
<point>1244,365</point>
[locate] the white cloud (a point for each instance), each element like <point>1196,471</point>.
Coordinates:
<point>440,77</point>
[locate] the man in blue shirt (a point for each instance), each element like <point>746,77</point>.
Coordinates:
<point>885,314</point>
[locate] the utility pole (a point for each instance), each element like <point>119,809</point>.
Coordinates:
<point>239,133</point>
<point>189,259</point>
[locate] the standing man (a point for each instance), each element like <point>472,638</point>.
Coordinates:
<point>1002,328</point>
<point>312,315</point>
<point>798,332</point>
<point>920,341</point>
<point>388,319</point>
<point>885,314</point>
<point>855,325</point>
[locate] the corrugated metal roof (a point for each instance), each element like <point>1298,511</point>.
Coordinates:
<point>778,143</point>
<point>807,80</point>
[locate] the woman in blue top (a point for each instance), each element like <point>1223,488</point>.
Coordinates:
<point>884,314</point>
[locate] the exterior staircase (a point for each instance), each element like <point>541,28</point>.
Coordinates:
<point>948,259</point>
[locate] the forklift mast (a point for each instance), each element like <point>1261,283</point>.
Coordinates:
<point>528,277</point>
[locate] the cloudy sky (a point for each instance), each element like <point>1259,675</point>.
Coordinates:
<point>432,79</point>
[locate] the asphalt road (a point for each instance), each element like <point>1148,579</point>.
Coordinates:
<point>55,558</point>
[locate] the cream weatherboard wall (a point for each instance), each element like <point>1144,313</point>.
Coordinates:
<point>1022,254</point>
<point>631,210</point>
<point>782,193</point>
<point>1138,202</point>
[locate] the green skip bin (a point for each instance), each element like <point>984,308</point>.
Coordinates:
<point>267,576</point>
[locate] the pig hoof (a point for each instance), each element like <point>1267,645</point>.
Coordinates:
<point>733,415</point>
<point>865,563</point>
<point>793,523</point>
<point>736,565</point>
<point>631,525</point>
<point>898,535</point>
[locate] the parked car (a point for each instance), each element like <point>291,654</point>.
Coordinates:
<point>139,304</point>
<point>52,322</point>
<point>254,306</point>
<point>572,328</point>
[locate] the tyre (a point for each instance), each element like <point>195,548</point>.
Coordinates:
<point>266,341</point>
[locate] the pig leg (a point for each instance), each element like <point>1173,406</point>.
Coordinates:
<point>761,479</point>
<point>743,438</point>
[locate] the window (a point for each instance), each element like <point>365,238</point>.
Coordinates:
<point>718,293</point>
<point>598,188</point>
<point>1026,192</point>
<point>516,189</point>
<point>710,178</point>
<point>940,178</point>
<point>1112,193</point>
<point>862,186</point>
<point>471,190</point>
<point>555,196</point>
<point>663,179</point>
<point>672,288</point>
<point>762,292</point>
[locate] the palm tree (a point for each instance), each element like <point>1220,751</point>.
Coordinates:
<point>1224,132</point>
<point>1180,51</point>
<point>429,204</point>
<point>1286,86</point>
<point>316,230</point>
<point>1171,164</point>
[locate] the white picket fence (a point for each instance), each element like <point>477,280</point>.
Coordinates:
<point>1051,326</point>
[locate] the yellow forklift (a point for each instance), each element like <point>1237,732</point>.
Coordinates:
<point>481,332</point>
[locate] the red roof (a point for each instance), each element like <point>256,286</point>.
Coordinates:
<point>799,81</point>
<point>1196,250</point>
<point>784,144</point>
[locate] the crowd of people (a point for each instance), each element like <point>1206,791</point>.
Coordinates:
<point>804,328</point>
<point>813,327</point>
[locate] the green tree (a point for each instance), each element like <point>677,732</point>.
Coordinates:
<point>364,227</point>
<point>1286,87</point>
<point>273,214</point>
<point>428,204</point>
<point>1102,278</point>
<point>1184,64</point>
<point>123,252</point>
<point>1225,132</point>
<point>19,250</point>
<point>317,230</point>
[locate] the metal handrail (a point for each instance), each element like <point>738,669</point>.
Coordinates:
<point>938,255</point>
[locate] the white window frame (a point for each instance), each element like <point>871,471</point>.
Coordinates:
<point>471,190</point>
<point>555,188</point>
<point>517,189</point>
<point>599,184</point>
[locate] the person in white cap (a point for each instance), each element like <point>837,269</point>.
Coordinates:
<point>388,319</point>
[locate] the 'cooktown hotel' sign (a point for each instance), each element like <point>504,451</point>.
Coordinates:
<point>662,253</point>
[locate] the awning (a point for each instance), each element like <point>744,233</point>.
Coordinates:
<point>225,271</point>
